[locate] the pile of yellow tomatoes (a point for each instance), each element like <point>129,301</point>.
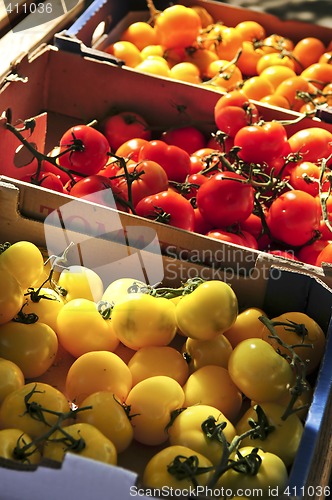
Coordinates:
<point>183,372</point>
<point>188,44</point>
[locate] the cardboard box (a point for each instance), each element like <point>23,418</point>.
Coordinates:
<point>49,88</point>
<point>278,290</point>
<point>103,22</point>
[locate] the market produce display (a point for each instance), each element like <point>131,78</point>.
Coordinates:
<point>181,371</point>
<point>250,182</point>
<point>188,44</point>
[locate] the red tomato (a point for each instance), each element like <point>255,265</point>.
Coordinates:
<point>90,153</point>
<point>98,189</point>
<point>309,253</point>
<point>253,225</point>
<point>47,180</point>
<point>130,149</point>
<point>223,235</point>
<point>293,218</point>
<point>188,138</point>
<point>225,199</point>
<point>168,207</point>
<point>150,178</point>
<point>261,143</point>
<point>201,226</point>
<point>174,160</point>
<point>305,176</point>
<point>124,126</point>
<point>312,143</point>
<point>233,111</point>
<point>325,255</point>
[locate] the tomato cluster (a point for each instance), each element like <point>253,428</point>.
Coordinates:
<point>188,44</point>
<point>250,182</point>
<point>179,369</point>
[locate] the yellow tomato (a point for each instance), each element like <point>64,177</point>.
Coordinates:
<point>32,347</point>
<point>83,439</point>
<point>283,441</point>
<point>209,310</point>
<point>258,371</point>
<point>212,385</point>
<point>98,371</point>
<point>247,325</point>
<point>309,334</point>
<point>81,283</point>
<point>186,430</point>
<point>15,445</point>
<point>271,474</point>
<point>158,360</point>
<point>26,408</point>
<point>104,411</point>
<point>141,320</point>
<point>152,401</point>
<point>161,470</point>
<point>207,352</point>
<point>11,378</point>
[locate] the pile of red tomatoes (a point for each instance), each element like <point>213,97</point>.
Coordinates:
<point>251,182</point>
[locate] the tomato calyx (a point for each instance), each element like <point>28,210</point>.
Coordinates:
<point>184,467</point>
<point>248,464</point>
<point>27,319</point>
<point>23,450</point>
<point>105,309</point>
<point>4,246</point>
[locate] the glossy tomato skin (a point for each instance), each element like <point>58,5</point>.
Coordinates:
<point>177,26</point>
<point>11,296</point>
<point>140,319</point>
<point>223,235</point>
<point>225,199</point>
<point>169,207</point>
<point>206,312</point>
<point>174,160</point>
<point>23,260</point>
<point>91,154</point>
<point>293,218</point>
<point>258,371</point>
<point>188,138</point>
<point>312,143</point>
<point>314,337</point>
<point>233,111</point>
<point>105,412</point>
<point>125,126</point>
<point>261,143</point>
<point>151,179</point>
<point>152,400</point>
<point>11,378</point>
<point>33,347</point>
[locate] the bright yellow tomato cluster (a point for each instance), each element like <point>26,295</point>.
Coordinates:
<point>165,370</point>
<point>188,44</point>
